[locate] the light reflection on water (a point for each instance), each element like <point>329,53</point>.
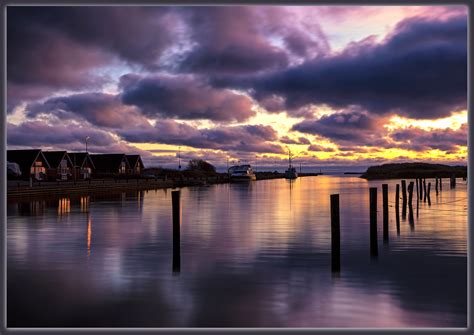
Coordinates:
<point>252,255</point>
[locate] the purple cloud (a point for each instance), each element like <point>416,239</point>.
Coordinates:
<point>184,97</point>
<point>419,71</point>
<point>419,139</point>
<point>344,127</point>
<point>315,147</point>
<point>60,48</point>
<point>247,138</point>
<point>64,136</point>
<point>300,140</point>
<point>98,108</point>
<point>41,133</point>
<point>229,40</point>
<point>135,34</point>
<point>42,62</point>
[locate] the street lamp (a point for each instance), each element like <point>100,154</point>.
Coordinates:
<point>87,137</point>
<point>179,158</point>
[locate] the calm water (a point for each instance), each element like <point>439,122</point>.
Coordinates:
<point>252,255</point>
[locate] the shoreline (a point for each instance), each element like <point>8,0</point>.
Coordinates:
<point>21,190</point>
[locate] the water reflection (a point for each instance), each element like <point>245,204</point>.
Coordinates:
<point>176,208</point>
<point>89,234</point>
<point>64,206</point>
<point>255,254</point>
<point>31,208</point>
<point>85,202</point>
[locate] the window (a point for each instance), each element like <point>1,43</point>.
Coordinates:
<point>63,167</point>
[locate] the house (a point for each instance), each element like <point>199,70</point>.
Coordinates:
<point>61,166</point>
<point>110,164</point>
<point>83,165</point>
<point>32,163</point>
<point>136,164</point>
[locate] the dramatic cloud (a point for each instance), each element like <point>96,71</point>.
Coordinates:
<point>41,133</point>
<point>62,47</point>
<point>229,40</point>
<point>97,108</point>
<point>42,62</point>
<point>71,137</point>
<point>136,34</point>
<point>216,77</point>
<point>419,71</point>
<point>300,140</point>
<point>184,97</point>
<point>302,35</point>
<point>315,147</point>
<point>355,131</point>
<point>37,53</point>
<point>252,138</point>
<point>419,140</point>
<point>345,127</point>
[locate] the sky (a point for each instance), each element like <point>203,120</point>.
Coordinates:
<point>336,85</point>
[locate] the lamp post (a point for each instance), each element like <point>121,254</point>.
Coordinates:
<point>179,158</point>
<point>87,137</point>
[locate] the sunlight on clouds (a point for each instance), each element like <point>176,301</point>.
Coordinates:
<point>281,122</point>
<point>18,115</point>
<point>158,149</point>
<point>455,121</point>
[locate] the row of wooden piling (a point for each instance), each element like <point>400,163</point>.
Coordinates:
<point>422,194</point>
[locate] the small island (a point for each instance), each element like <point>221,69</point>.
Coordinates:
<point>414,170</point>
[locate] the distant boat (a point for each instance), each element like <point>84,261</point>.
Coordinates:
<point>290,173</point>
<point>241,173</point>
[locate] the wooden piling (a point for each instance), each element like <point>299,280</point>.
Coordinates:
<point>397,208</point>
<point>385,211</point>
<point>410,205</point>
<point>417,191</point>
<point>429,198</point>
<point>421,188</point>
<point>335,234</point>
<point>453,181</point>
<point>404,199</point>
<point>417,206</point>
<point>424,190</point>
<point>404,190</point>
<point>436,185</point>
<point>175,198</point>
<point>373,222</point>
<point>411,220</point>
<point>410,194</point>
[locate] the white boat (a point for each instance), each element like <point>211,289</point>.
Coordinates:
<point>241,173</point>
<point>290,173</point>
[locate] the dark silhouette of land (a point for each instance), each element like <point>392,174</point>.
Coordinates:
<point>414,170</point>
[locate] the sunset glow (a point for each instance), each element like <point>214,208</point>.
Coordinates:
<point>335,85</point>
